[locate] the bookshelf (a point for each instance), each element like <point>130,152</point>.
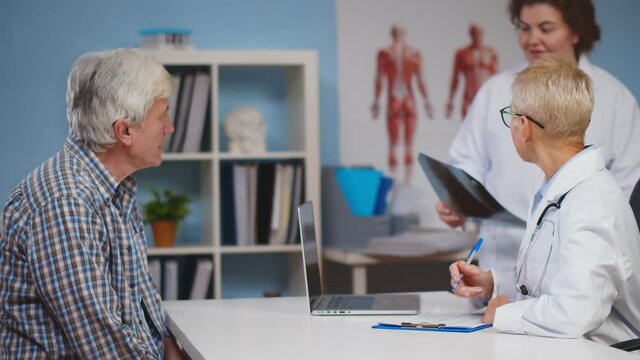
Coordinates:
<point>284,86</point>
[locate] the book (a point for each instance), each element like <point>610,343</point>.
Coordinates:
<point>201,280</point>
<point>197,113</point>
<point>279,237</point>
<point>252,194</point>
<point>264,205</point>
<point>227,205</point>
<point>296,201</point>
<point>276,203</point>
<point>241,203</point>
<point>184,104</point>
<point>464,194</point>
<point>170,280</point>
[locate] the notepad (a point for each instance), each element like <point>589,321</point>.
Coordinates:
<point>461,323</point>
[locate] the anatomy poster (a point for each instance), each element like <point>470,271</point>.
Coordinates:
<point>407,72</point>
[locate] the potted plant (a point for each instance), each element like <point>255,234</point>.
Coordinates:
<point>164,213</point>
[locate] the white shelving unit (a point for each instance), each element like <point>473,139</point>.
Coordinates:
<point>300,70</point>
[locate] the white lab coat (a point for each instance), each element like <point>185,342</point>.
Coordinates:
<point>593,264</point>
<point>483,148</point>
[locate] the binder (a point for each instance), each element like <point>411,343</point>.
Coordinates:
<point>455,329</point>
<point>264,202</point>
<point>197,113</point>
<point>201,280</point>
<point>184,105</point>
<point>170,280</point>
<point>241,204</point>
<point>296,200</point>
<point>252,195</point>
<point>227,203</point>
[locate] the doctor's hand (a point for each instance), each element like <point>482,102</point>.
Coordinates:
<point>494,303</point>
<point>448,216</point>
<point>476,283</point>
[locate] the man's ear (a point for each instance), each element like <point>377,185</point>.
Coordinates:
<point>122,131</point>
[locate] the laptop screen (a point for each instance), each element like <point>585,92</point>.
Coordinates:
<point>310,249</point>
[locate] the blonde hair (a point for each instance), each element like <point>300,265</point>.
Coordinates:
<point>109,85</point>
<point>558,95</point>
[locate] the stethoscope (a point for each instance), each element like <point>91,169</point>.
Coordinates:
<point>540,224</point>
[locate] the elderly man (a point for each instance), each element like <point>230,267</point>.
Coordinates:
<point>576,272</point>
<point>74,281</point>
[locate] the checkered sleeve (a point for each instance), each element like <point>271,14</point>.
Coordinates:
<point>69,260</point>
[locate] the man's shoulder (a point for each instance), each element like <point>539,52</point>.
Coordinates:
<point>61,176</point>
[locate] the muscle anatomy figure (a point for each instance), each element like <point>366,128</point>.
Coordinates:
<point>476,63</point>
<point>397,67</point>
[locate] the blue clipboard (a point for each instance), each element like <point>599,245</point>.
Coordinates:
<point>455,329</point>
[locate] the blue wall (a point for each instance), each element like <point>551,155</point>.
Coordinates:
<point>618,51</point>
<point>39,40</point>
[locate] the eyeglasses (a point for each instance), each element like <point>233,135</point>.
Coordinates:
<point>507,115</point>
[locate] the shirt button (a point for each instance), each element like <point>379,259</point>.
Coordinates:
<point>129,249</point>
<point>131,285</point>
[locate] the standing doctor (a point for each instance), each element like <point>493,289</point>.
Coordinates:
<point>556,29</point>
<point>577,273</point>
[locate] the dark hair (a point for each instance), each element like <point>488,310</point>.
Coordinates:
<point>579,15</point>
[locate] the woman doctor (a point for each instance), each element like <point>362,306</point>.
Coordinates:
<point>576,272</point>
<point>557,29</point>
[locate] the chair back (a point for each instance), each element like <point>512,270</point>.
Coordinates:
<point>634,201</point>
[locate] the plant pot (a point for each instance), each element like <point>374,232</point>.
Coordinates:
<point>164,233</point>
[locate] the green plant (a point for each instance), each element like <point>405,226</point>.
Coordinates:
<point>166,206</point>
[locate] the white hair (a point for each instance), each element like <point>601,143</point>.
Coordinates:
<point>558,94</point>
<point>110,85</point>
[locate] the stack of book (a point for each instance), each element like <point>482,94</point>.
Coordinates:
<point>189,105</point>
<point>259,203</point>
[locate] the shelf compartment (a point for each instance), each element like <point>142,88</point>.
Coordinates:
<point>194,178</point>
<point>251,192</point>
<point>178,275</point>
<point>190,109</point>
<point>276,92</point>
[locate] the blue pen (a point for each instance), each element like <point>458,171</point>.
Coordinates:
<point>469,259</point>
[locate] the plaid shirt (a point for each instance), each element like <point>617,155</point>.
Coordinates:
<point>74,281</point>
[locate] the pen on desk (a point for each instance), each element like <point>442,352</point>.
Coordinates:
<point>473,251</point>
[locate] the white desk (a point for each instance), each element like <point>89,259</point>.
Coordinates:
<point>281,328</point>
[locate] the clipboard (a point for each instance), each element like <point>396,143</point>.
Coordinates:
<point>464,194</point>
<point>443,328</point>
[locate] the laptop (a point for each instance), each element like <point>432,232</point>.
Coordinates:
<point>319,304</point>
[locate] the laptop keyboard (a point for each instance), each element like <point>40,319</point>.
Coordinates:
<point>350,302</point>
